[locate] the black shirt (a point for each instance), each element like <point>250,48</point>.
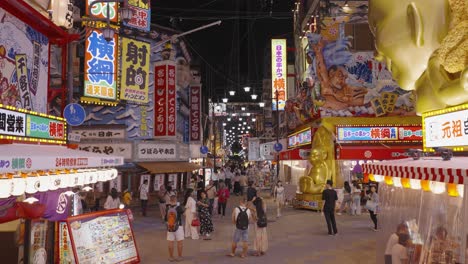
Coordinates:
<point>330,197</point>
<point>251,193</point>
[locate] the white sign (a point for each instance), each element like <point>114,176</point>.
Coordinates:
<point>144,177</point>
<point>74,137</point>
<point>446,130</point>
<point>116,183</point>
<point>118,149</point>
<point>156,151</point>
<point>12,123</point>
<point>254,149</point>
<point>172,180</point>
<point>100,133</point>
<point>158,181</point>
<point>267,151</point>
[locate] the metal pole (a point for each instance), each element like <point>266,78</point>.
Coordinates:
<point>214,139</point>
<point>277,134</point>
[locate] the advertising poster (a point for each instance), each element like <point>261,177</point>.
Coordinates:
<point>144,177</point>
<point>279,73</point>
<point>103,237</point>
<point>141,18</point>
<point>100,67</point>
<point>24,65</point>
<point>64,245</point>
<point>172,181</point>
<point>158,181</point>
<point>37,250</point>
<point>195,113</point>
<point>135,70</point>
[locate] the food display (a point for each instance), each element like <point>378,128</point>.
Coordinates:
<point>103,237</point>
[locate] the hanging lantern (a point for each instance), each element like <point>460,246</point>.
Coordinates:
<point>437,187</point>
<point>415,184</point>
<point>452,189</point>
<point>371,177</point>
<point>405,182</point>
<point>378,178</point>
<point>5,187</point>
<point>44,182</point>
<point>54,181</point>
<point>426,185</point>
<point>115,173</point>
<point>461,189</point>
<point>32,183</point>
<point>388,180</point>
<point>397,182</point>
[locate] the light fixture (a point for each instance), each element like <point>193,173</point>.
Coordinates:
<point>5,188</point>
<point>254,96</point>
<point>232,93</point>
<point>32,184</point>
<point>31,200</point>
<point>248,114</point>
<point>121,206</point>
<point>224,124</point>
<point>228,119</point>
<point>244,123</point>
<point>225,100</point>
<point>437,187</point>
<point>240,118</point>
<point>243,108</point>
<point>126,14</point>
<point>415,184</point>
<point>108,33</point>
<point>248,127</point>
<point>254,119</point>
<point>247,89</point>
<point>261,104</point>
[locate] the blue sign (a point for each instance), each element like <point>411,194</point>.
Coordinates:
<point>278,147</point>
<point>74,114</point>
<point>203,149</point>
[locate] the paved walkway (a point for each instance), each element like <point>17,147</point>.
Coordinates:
<point>297,237</point>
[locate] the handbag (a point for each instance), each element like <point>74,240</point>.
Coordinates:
<point>195,222</point>
<point>371,205</point>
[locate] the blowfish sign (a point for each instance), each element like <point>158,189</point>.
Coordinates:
<point>278,73</point>
<point>165,99</point>
<point>195,94</point>
<point>135,68</point>
<point>100,66</point>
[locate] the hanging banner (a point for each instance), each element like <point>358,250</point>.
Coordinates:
<point>156,151</point>
<point>254,149</point>
<point>64,245</point>
<point>172,181</point>
<point>195,113</point>
<point>165,99</point>
<point>135,70</point>
<point>279,73</point>
<point>99,133</point>
<point>141,18</point>
<point>158,181</point>
<point>101,10</point>
<point>116,183</point>
<point>171,101</point>
<point>100,78</point>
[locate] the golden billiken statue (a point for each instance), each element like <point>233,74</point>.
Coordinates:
<point>425,45</point>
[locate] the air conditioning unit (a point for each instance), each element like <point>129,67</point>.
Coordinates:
<point>304,153</point>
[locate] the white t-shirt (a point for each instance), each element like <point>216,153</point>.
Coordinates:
<point>111,203</point>
<point>399,253</point>
<point>393,240</point>
<point>214,176</point>
<point>236,212</point>
<point>191,205</point>
<point>222,176</point>
<point>144,192</point>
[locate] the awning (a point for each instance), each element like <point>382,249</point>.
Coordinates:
<point>373,152</point>
<point>24,157</point>
<point>432,169</point>
<point>169,167</point>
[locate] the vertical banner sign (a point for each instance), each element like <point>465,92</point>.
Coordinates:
<point>279,73</point>
<point>100,10</point>
<point>195,96</point>
<point>160,101</point>
<point>135,70</point>
<point>141,18</point>
<point>158,181</point>
<point>100,80</point>
<point>23,83</point>
<point>171,100</point>
<point>254,149</point>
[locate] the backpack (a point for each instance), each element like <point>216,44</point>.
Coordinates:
<point>242,221</point>
<point>262,219</point>
<point>172,219</point>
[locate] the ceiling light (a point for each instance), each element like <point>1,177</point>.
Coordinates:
<point>248,114</point>
<point>248,127</point>
<point>233,114</point>
<point>232,93</point>
<point>247,89</point>
<point>243,108</point>
<point>245,123</point>
<point>240,124</point>
<point>254,96</point>
<point>254,119</point>
<point>228,119</point>
<point>225,100</point>
<point>261,104</point>
<point>224,124</point>
<point>240,118</point>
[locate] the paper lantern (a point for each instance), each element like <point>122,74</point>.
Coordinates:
<point>18,186</point>
<point>92,175</point>
<point>426,185</point>
<point>81,178</point>
<point>415,184</point>
<point>54,182</point>
<point>437,187</point>
<point>44,183</point>
<point>64,180</point>
<point>452,189</point>
<point>5,187</point>
<point>397,182</point>
<point>371,177</point>
<point>461,189</point>
<point>388,180</point>
<point>378,178</point>
<point>32,184</point>
<point>405,182</point>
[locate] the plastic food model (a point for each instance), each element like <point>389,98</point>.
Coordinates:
<point>425,45</point>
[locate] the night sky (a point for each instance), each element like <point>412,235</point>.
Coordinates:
<point>258,20</point>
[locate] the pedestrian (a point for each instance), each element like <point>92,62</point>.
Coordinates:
<point>372,205</point>
<point>163,198</point>
<point>251,191</point>
<point>393,240</point>
<point>175,230</point>
<point>346,199</point>
<point>243,183</point>
<point>279,197</point>
<point>399,250</point>
<point>237,186</point>
<point>190,214</point>
<point>260,226</point>
<point>329,198</point>
<point>215,177</point>
<point>113,200</point>
<point>356,194</point>
<point>241,216</point>
<point>127,198</point>
<point>222,175</point>
<point>223,196</point>
<point>229,177</point>
<point>206,225</point>
<point>211,192</point>
<point>144,189</point>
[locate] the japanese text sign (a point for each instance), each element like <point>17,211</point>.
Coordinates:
<point>12,123</point>
<point>195,115</point>
<point>46,128</point>
<point>393,133</point>
<point>99,133</point>
<point>165,99</point>
<point>299,139</point>
<point>156,151</point>
<point>100,10</point>
<point>135,70</point>
<point>141,18</point>
<point>100,67</point>
<point>279,73</point>
<point>446,130</point>
<point>117,149</point>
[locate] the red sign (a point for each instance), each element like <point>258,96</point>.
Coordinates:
<point>171,101</point>
<point>160,101</point>
<point>373,152</point>
<point>195,96</point>
<point>292,154</point>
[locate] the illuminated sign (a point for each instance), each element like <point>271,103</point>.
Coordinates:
<point>141,18</point>
<point>384,133</point>
<point>195,113</point>
<point>300,138</point>
<point>100,67</point>
<point>135,70</point>
<point>446,128</point>
<point>165,99</point>
<point>19,124</point>
<point>101,10</point>
<point>279,73</point>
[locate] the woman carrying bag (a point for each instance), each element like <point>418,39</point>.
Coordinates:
<point>372,205</point>
<point>206,225</point>
<point>190,214</point>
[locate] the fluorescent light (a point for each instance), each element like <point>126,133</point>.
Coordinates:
<point>228,119</point>
<point>261,104</point>
<point>248,114</point>
<point>224,124</point>
<point>225,100</point>
<point>243,108</point>
<point>254,96</point>
<point>232,93</point>
<point>247,89</point>
<point>240,118</point>
<point>254,119</point>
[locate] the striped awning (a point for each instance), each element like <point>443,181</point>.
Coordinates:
<point>432,169</point>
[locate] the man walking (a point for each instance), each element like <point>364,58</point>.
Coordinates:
<point>144,189</point>
<point>329,198</point>
<point>240,218</point>
<point>175,230</point>
<point>251,191</point>
<point>211,193</point>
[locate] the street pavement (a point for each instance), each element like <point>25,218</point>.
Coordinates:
<point>299,236</point>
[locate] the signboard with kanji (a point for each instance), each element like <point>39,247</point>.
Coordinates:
<point>141,18</point>
<point>46,128</point>
<point>100,68</point>
<point>97,133</point>
<point>379,134</point>
<point>279,73</point>
<point>117,149</point>
<point>135,70</point>
<point>165,99</point>
<point>156,151</point>
<point>446,128</point>
<point>195,113</point>
<point>100,10</point>
<point>12,123</point>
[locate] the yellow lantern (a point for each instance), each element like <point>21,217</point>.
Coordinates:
<point>405,182</point>
<point>388,180</point>
<point>371,177</point>
<point>452,189</point>
<point>426,185</point>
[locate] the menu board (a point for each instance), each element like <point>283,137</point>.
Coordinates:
<point>65,251</point>
<point>104,237</point>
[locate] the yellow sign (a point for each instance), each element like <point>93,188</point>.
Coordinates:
<point>140,3</point>
<point>135,70</point>
<point>279,73</point>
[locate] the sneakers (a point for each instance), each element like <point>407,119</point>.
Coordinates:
<point>375,230</point>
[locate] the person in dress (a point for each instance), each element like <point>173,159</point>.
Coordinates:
<point>346,199</point>
<point>356,196</point>
<point>190,213</point>
<point>223,196</point>
<point>259,216</point>
<point>279,196</point>
<point>113,200</point>
<point>206,225</point>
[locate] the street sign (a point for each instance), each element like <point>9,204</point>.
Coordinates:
<point>75,114</point>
